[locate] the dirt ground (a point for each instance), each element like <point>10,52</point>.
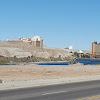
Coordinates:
<point>31,72</point>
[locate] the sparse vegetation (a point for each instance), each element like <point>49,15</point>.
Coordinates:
<point>73,61</point>
<point>84,64</point>
<point>55,59</point>
<point>15,57</point>
<point>5,60</point>
<point>76,54</point>
<point>0,81</point>
<point>79,55</point>
<point>85,56</point>
<point>2,62</point>
<point>12,60</point>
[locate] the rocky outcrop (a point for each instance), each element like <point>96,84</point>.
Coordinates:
<point>11,49</point>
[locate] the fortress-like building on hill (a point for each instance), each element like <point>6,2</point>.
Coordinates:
<point>36,41</point>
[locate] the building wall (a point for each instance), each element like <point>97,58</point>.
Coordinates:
<point>41,44</point>
<point>15,41</point>
<point>95,49</point>
<point>35,41</point>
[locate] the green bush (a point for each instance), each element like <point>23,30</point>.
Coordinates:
<point>0,81</point>
<point>73,61</point>
<point>55,59</point>
<point>76,54</point>
<point>15,57</point>
<point>2,62</point>
<point>85,56</point>
<point>84,64</point>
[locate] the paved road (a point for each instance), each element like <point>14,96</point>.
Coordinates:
<point>73,91</point>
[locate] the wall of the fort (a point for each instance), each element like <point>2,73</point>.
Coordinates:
<point>41,43</point>
<point>37,43</point>
<point>15,41</point>
<point>29,42</point>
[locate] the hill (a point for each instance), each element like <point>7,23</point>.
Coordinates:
<point>20,50</point>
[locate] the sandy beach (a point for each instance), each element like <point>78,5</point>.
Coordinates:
<point>37,75</point>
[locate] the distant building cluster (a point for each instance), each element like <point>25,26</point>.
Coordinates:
<point>36,41</point>
<point>95,48</point>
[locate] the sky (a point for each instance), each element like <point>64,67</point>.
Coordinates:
<point>61,23</point>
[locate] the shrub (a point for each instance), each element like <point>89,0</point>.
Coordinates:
<point>15,57</point>
<point>0,81</point>
<point>2,62</point>
<point>73,61</point>
<point>84,64</point>
<point>76,54</point>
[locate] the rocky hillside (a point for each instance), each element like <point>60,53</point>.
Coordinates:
<point>20,50</point>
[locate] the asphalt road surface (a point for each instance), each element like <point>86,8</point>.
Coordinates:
<point>74,91</point>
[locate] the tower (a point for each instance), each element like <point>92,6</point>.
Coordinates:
<point>95,49</point>
<point>37,41</point>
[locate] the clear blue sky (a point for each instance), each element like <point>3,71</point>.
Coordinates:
<point>60,22</point>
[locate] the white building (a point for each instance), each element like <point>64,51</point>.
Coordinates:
<point>70,47</point>
<point>80,51</point>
